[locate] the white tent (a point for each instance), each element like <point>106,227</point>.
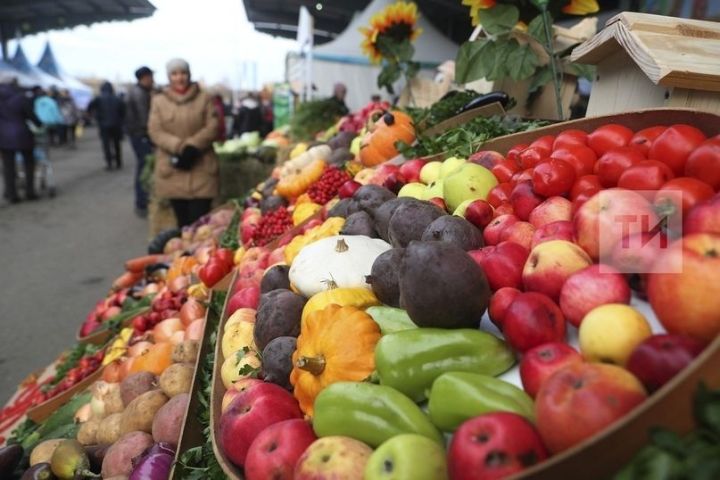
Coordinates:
<point>8,72</point>
<point>81,93</point>
<point>342,60</point>
<point>45,80</point>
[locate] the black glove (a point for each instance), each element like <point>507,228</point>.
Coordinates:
<point>187,158</point>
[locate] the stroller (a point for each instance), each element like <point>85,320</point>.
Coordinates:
<point>44,177</point>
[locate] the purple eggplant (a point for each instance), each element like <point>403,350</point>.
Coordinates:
<point>154,463</point>
<point>39,471</point>
<point>10,456</point>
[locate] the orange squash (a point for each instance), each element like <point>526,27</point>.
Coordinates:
<point>155,360</point>
<point>378,146</point>
<point>298,182</point>
<point>180,266</point>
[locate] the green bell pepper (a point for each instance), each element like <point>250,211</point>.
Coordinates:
<point>411,360</point>
<point>459,396</point>
<point>390,319</point>
<point>369,413</point>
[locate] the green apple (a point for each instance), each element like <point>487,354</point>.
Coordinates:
<point>460,210</point>
<point>407,457</point>
<point>333,457</point>
<point>451,165</point>
<point>435,189</point>
<point>414,190</point>
<point>355,145</point>
<point>430,172</point>
<point>469,182</point>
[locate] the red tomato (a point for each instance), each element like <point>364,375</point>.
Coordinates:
<point>570,138</point>
<point>646,175</point>
<point>531,156</point>
<point>499,194</point>
<point>581,158</point>
<point>545,142</point>
<point>585,183</point>
<point>224,255</point>
<point>643,139</point>
<point>681,194</point>
<point>553,177</point>
<point>609,136</point>
<point>504,170</point>
<point>504,209</point>
<point>521,176</point>
<point>704,163</point>
<point>674,146</point>
<point>513,153</point>
<point>614,162</point>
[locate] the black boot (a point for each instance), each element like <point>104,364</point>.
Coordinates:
<point>29,161</point>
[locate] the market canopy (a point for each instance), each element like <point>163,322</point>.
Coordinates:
<point>81,93</point>
<point>25,17</point>
<point>45,80</point>
<point>8,72</point>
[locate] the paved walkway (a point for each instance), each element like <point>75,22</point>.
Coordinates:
<point>59,256</point>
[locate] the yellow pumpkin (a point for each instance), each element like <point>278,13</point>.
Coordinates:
<point>324,355</point>
<point>329,227</point>
<point>345,297</point>
<point>297,183</point>
<point>303,211</point>
<point>378,145</point>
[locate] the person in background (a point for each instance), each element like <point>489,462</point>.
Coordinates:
<point>58,133</point>
<point>220,108</point>
<point>249,116</point>
<point>137,107</point>
<point>183,125</point>
<point>339,93</point>
<point>48,111</point>
<point>15,136</point>
<point>71,117</point>
<point>109,111</point>
<point>266,110</point>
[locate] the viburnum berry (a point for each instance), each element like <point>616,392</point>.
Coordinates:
<point>327,186</point>
<point>271,225</point>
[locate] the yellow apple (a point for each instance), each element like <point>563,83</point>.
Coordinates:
<point>609,333</point>
<point>230,370</point>
<point>241,315</point>
<point>451,165</point>
<point>430,172</point>
<point>435,189</point>
<point>414,190</point>
<point>236,337</point>
<point>550,264</point>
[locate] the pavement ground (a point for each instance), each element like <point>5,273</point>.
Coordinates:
<point>59,256</point>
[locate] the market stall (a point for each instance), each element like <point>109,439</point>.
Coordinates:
<point>446,292</point>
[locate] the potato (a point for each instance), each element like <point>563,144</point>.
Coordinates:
<point>43,452</point>
<point>118,459</point>
<point>87,435</point>
<point>109,429</point>
<point>138,416</point>
<point>177,379</point>
<point>186,352</point>
<point>135,385</point>
<point>168,421</point>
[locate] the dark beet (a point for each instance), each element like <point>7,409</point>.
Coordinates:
<point>381,215</point>
<point>277,361</point>
<point>278,315</point>
<point>455,230</point>
<point>272,203</point>
<point>359,223</point>
<point>409,221</point>
<point>275,278</point>
<point>339,156</point>
<point>369,197</point>
<point>384,277</point>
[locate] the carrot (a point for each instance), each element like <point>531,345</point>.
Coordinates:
<point>138,264</point>
<point>126,280</point>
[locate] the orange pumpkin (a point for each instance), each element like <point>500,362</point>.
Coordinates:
<point>155,360</point>
<point>298,182</point>
<point>378,146</point>
<point>180,266</point>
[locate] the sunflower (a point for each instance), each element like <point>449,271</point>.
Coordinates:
<point>476,6</point>
<point>396,22</point>
<point>581,7</point>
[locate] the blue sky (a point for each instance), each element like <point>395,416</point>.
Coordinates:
<point>213,35</point>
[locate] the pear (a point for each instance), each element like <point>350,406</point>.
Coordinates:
<point>69,459</point>
<point>451,165</point>
<point>430,172</point>
<point>435,189</point>
<point>469,182</point>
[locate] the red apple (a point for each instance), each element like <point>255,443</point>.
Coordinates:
<point>348,188</point>
<point>582,399</point>
<point>486,158</point>
<point>394,182</point>
<point>591,287</point>
<point>494,229</point>
<point>609,216</point>
<point>531,320</point>
<point>524,200</point>
<point>256,257</point>
<point>550,264</point>
<point>480,213</point>
<point>246,298</point>
<point>520,233</point>
<point>251,412</point>
<point>439,202</point>
<point>248,276</point>
<point>411,170</point>
<point>554,209</point>
<point>683,288</point>
<point>540,362</point>
<point>275,451</point>
<point>494,446</point>
<point>561,230</point>
<point>636,253</point>
<point>703,217</point>
<point>660,357</point>
<point>499,303</point>
<point>277,256</point>
<point>110,312</point>
<point>250,212</point>
<point>382,173</point>
<point>503,209</point>
<point>502,264</point>
<point>237,388</point>
<point>306,226</point>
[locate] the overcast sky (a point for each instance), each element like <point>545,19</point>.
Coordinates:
<point>213,35</point>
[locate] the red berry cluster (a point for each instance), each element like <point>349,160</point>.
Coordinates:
<point>86,366</point>
<point>272,225</point>
<point>165,305</point>
<point>327,185</point>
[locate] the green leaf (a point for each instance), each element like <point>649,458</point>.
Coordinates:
<point>706,408</point>
<point>389,74</point>
<point>229,238</point>
<point>499,19</point>
<point>542,77</point>
<point>582,70</point>
<point>471,61</point>
<point>536,29</point>
<point>521,62</point>
<point>651,463</point>
<point>668,441</point>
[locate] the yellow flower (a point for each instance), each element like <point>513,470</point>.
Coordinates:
<point>581,7</point>
<point>397,21</point>
<point>476,6</point>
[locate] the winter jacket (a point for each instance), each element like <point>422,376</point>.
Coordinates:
<point>48,111</point>
<point>15,111</point>
<point>108,108</point>
<point>137,110</point>
<point>177,120</point>
<point>70,113</point>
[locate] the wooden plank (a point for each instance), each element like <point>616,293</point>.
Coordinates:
<point>485,111</point>
<point>695,99</point>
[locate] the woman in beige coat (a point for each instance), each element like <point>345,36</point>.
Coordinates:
<point>183,124</point>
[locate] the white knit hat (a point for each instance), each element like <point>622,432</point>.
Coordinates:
<point>177,64</point>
